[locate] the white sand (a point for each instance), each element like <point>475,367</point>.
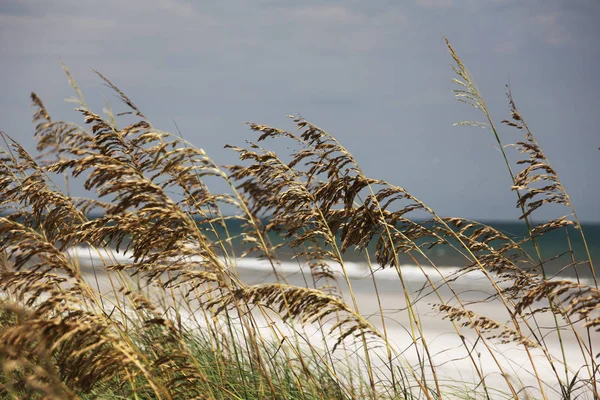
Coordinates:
<point>451,360</point>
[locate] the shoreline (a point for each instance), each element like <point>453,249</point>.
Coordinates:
<point>453,364</point>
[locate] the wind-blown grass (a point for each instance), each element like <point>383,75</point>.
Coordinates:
<point>167,312</point>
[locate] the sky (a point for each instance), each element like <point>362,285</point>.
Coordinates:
<point>376,74</point>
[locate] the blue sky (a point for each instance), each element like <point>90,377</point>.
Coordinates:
<point>374,73</point>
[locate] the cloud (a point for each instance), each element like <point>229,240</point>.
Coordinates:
<point>506,47</point>
<point>551,29</point>
<point>16,8</point>
<point>329,13</point>
<point>436,3</point>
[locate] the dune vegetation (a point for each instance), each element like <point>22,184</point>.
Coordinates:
<point>166,311</point>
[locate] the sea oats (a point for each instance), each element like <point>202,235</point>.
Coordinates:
<point>163,307</point>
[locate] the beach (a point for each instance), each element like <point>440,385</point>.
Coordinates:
<point>446,341</point>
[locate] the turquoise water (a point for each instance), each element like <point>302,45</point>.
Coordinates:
<point>556,243</point>
<point>558,249</point>
<point>556,253</point>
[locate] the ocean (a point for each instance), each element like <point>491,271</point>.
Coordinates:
<point>378,295</point>
<point>558,249</point>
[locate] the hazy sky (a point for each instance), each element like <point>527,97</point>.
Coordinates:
<point>374,73</point>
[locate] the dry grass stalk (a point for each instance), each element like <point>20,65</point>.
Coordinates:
<point>485,325</point>
<point>59,339</point>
